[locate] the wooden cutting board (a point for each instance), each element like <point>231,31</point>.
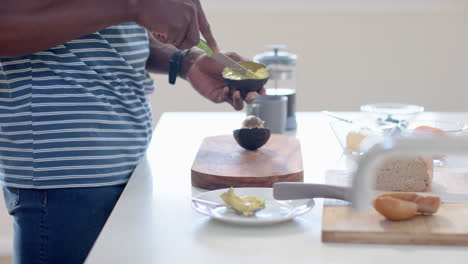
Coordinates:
<point>449,226</point>
<point>222,163</point>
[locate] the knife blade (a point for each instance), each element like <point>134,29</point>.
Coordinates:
<point>230,63</point>
<point>223,59</point>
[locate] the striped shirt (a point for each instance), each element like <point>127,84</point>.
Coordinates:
<point>76,115</point>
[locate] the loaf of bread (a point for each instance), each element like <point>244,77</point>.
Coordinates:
<point>405,175</point>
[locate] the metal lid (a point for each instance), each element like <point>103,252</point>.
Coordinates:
<point>276,56</point>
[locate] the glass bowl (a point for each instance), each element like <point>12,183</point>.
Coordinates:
<point>429,128</point>
<point>393,112</point>
<point>392,109</point>
<point>361,134</point>
<point>434,128</point>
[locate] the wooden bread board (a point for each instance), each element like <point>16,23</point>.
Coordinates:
<point>222,163</point>
<point>449,226</point>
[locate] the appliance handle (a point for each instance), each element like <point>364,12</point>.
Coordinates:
<point>299,190</point>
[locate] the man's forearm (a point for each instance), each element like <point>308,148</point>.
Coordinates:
<point>160,56</point>
<point>28,26</point>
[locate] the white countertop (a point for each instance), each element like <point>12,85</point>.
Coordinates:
<point>153,221</point>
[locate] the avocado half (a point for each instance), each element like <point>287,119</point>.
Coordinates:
<point>247,85</point>
<point>252,138</point>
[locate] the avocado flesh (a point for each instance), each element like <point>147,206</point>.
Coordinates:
<point>245,205</point>
<point>261,73</point>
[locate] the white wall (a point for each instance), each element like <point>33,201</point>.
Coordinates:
<point>351,52</point>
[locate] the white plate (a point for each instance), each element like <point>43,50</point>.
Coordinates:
<point>275,211</point>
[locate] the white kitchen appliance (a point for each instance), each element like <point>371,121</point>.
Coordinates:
<point>282,67</point>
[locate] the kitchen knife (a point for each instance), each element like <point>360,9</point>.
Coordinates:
<point>298,190</point>
<point>223,59</point>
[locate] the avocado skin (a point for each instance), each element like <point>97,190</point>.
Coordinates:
<point>245,86</point>
<point>252,139</point>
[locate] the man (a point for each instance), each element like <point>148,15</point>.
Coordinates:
<point>74,115</point>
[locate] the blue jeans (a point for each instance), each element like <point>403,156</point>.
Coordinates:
<point>58,225</point>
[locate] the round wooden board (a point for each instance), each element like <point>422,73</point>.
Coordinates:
<point>222,163</point>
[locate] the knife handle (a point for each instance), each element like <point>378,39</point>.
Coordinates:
<point>297,190</point>
<point>203,45</point>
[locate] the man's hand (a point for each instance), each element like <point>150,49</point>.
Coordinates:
<point>204,74</point>
<point>176,22</point>
<point>201,71</point>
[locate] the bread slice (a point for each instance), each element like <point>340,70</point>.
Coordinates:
<point>405,175</point>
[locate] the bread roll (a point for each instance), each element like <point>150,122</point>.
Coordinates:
<point>405,175</point>
<point>395,209</point>
<point>404,206</point>
<point>426,204</point>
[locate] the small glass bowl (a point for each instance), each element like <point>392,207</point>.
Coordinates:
<point>392,109</point>
<point>361,134</point>
<point>429,128</point>
<point>434,128</point>
<point>393,112</point>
